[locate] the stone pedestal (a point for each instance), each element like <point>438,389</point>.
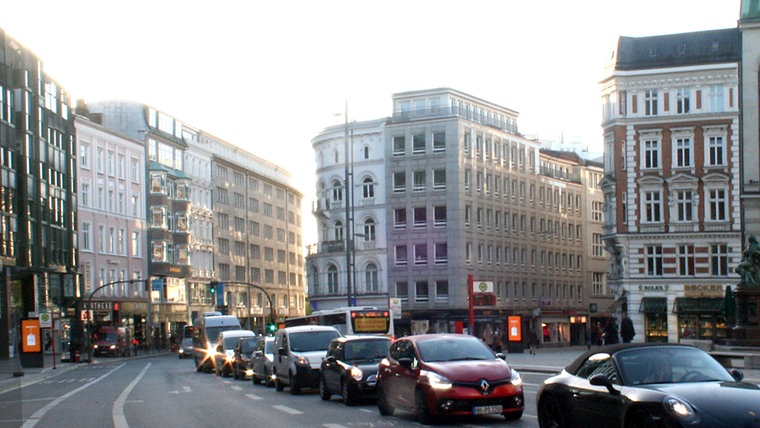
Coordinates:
<point>746,332</point>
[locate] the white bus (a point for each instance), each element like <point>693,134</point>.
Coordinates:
<point>354,320</point>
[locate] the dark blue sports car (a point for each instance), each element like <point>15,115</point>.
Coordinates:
<point>647,385</point>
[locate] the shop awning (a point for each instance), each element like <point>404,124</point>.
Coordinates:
<point>698,305</point>
<point>654,305</point>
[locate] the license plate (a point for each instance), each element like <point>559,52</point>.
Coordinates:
<point>486,410</point>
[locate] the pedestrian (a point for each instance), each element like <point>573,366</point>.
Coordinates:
<point>532,341</point>
<point>48,341</point>
<point>610,334</point>
<point>487,336</point>
<point>135,345</point>
<point>626,329</point>
<point>497,340</point>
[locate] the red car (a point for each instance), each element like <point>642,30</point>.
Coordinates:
<point>436,375</point>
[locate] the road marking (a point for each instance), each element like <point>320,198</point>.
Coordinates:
<point>186,388</point>
<point>119,421</point>
<point>236,388</point>
<point>289,410</point>
<point>334,426</point>
<point>368,411</point>
<point>253,397</point>
<point>32,421</point>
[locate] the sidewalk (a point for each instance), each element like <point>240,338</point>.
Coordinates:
<point>13,376</point>
<point>554,359</point>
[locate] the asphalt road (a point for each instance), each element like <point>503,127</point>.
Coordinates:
<point>166,391</point>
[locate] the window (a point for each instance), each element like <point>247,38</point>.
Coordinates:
<point>419,180</point>
<point>86,239</point>
<point>650,102</point>
<point>402,291</point>
<point>682,100</point>
<point>441,253</point>
<point>654,260</point>
<point>338,230</point>
<point>597,245</point>
<point>441,291</point>
<point>371,278</point>
<point>716,151</point>
<point>686,260</point>
<point>399,218</point>
<point>684,206</point>
<point>420,254</point>
<point>683,152</point>
<point>440,216</point>
<point>421,292</point>
<point>719,259</point>
<point>332,279</point>
<point>399,145</point>
<point>136,244</point>
<point>401,256</point>
<point>716,205</point>
<point>439,142</point>
<point>84,197</point>
<point>418,143</point>
<point>369,230</point>
<point>368,188</point>
<point>399,182</point>
<point>715,101</point>
<point>439,179</point>
<point>420,216</point>
<point>651,154</point>
<point>337,191</point>
<point>652,207</point>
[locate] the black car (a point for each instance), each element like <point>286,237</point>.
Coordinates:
<point>261,362</point>
<point>647,385</point>
<point>241,364</point>
<point>350,367</point>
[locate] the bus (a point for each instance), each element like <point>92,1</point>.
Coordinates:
<point>354,320</point>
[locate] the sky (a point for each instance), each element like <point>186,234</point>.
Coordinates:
<point>268,76</point>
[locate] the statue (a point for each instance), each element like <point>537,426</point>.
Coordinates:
<point>749,268</point>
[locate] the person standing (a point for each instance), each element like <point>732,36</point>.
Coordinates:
<point>610,335</point>
<point>488,336</point>
<point>626,329</point>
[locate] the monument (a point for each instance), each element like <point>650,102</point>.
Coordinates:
<point>746,332</point>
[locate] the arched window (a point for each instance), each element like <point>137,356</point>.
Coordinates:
<point>371,278</point>
<point>332,279</point>
<point>366,152</point>
<point>314,280</point>
<point>338,228</point>
<point>325,232</point>
<point>337,191</point>
<point>369,230</point>
<point>368,188</point>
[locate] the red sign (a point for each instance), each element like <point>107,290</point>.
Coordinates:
<point>30,336</point>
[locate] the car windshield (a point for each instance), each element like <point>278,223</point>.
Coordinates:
<point>454,349</point>
<point>109,337</point>
<point>370,349</point>
<point>669,364</point>
<point>309,341</point>
<point>268,347</point>
<point>248,345</point>
<point>213,332</point>
<point>187,342</point>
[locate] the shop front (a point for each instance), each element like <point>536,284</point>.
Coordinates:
<point>654,311</point>
<point>701,318</point>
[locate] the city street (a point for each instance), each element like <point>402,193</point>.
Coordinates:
<point>166,391</point>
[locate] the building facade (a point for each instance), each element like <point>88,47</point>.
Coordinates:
<point>671,172</point>
<point>112,227</point>
<point>466,196</point>
<point>38,245</point>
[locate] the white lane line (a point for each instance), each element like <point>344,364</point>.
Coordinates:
<point>334,426</point>
<point>236,388</point>
<point>186,388</point>
<point>253,397</point>
<point>119,421</point>
<point>32,421</point>
<point>289,410</point>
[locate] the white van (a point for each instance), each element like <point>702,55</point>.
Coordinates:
<point>206,334</point>
<point>298,353</point>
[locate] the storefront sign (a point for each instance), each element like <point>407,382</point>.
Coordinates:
<point>98,306</point>
<point>653,288</point>
<point>703,290</point>
<point>482,286</point>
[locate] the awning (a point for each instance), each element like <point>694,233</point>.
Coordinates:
<point>698,305</point>
<point>653,305</point>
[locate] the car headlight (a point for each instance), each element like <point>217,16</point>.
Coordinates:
<point>435,380</point>
<point>113,346</point>
<point>356,373</point>
<point>516,379</point>
<point>302,361</point>
<point>678,408</point>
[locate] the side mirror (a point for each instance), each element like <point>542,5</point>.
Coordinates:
<point>330,359</point>
<point>737,374</point>
<point>258,354</point>
<point>501,355</point>
<point>602,380</point>
<point>282,351</point>
<point>405,362</point>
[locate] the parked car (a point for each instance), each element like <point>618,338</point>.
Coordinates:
<point>350,367</point>
<point>436,375</point>
<point>224,353</point>
<point>241,363</point>
<point>298,356</point>
<point>647,385</point>
<point>261,361</point>
<point>186,348</point>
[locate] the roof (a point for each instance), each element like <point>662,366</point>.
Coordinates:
<point>683,49</point>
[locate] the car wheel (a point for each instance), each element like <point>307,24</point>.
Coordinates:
<point>294,388</point>
<point>383,406</point>
<point>255,379</point>
<point>639,418</point>
<point>421,409</point>
<point>324,393</point>
<point>278,384</point>
<point>345,390</point>
<point>549,413</point>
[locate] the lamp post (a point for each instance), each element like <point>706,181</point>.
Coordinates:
<point>272,313</point>
<point>349,189</point>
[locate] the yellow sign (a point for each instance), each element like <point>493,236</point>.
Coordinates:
<point>370,325</point>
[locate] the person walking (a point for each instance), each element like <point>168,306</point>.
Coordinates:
<point>610,335</point>
<point>626,329</point>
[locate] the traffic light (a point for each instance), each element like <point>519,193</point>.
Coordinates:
<point>212,288</point>
<point>271,328</point>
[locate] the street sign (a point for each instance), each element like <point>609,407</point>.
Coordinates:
<point>86,315</point>
<point>46,321</point>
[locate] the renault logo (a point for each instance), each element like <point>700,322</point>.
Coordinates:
<point>484,386</point>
